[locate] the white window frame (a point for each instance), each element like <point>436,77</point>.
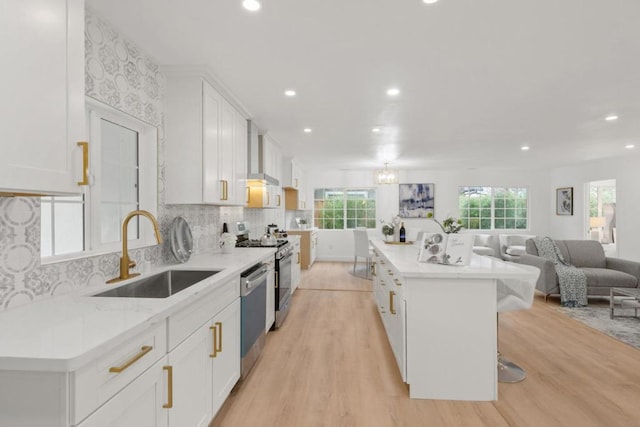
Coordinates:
<point>147,181</point>
<point>493,207</point>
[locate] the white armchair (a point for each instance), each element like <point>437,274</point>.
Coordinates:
<point>486,244</point>
<point>512,246</point>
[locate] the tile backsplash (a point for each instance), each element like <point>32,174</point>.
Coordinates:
<point>121,76</point>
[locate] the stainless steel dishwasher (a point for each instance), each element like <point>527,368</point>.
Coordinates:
<point>253,300</point>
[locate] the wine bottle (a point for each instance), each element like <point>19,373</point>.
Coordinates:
<point>403,234</point>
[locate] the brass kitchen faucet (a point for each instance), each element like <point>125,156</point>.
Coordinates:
<point>125,261</point>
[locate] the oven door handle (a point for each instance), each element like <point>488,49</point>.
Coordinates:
<point>286,257</point>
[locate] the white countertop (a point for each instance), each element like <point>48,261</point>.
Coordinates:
<point>63,333</point>
<point>405,259</point>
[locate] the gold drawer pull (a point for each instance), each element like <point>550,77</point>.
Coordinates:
<point>143,350</point>
<point>397,282</point>
<point>85,163</point>
<point>215,341</point>
<point>390,272</point>
<point>169,403</point>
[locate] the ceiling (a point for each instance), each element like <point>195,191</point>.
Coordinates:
<point>477,78</point>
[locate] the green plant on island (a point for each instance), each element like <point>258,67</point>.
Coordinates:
<point>449,225</point>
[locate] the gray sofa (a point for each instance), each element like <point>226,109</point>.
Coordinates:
<point>602,272</point>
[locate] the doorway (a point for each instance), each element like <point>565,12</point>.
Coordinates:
<point>602,214</point>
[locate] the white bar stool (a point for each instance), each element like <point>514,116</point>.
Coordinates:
<point>513,294</point>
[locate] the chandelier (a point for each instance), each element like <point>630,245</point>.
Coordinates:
<point>386,175</point>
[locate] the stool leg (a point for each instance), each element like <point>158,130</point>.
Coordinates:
<point>508,372</point>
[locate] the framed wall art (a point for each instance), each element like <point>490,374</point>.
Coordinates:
<point>564,201</point>
<point>416,200</point>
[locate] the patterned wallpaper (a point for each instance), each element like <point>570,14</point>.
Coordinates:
<point>120,75</point>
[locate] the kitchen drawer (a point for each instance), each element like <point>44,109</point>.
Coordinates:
<point>185,322</point>
<point>98,381</point>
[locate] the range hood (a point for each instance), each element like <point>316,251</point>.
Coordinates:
<point>256,157</point>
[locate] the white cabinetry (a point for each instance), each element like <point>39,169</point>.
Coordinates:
<point>389,296</point>
<point>271,158</point>
<point>296,264</point>
<point>177,373</point>
<point>203,132</point>
<point>42,96</point>
<point>308,246</point>
<point>270,317</point>
<point>141,403</point>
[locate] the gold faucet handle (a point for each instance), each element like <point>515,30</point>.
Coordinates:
<point>132,264</point>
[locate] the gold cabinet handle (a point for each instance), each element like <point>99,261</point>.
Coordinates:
<point>143,350</point>
<point>85,163</point>
<point>169,403</point>
<point>373,268</point>
<point>390,272</point>
<point>392,309</point>
<point>248,195</point>
<point>382,283</point>
<point>382,262</point>
<point>276,279</point>
<point>397,282</point>
<point>298,257</point>
<point>219,343</point>
<point>268,198</point>
<point>225,189</point>
<point>278,200</point>
<point>214,342</point>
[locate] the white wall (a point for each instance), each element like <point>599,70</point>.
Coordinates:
<point>626,172</point>
<point>338,244</point>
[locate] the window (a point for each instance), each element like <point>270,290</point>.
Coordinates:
<point>487,208</point>
<point>122,176</point>
<point>344,208</point>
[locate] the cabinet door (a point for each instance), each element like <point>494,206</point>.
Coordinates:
<point>42,98</point>
<point>295,268</point>
<point>240,142</point>
<point>271,298</point>
<point>192,380</point>
<point>396,329</point>
<point>314,248</point>
<point>139,404</point>
<point>226,357</point>
<point>211,135</point>
<point>226,177</point>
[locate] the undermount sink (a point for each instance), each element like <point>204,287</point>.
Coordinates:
<point>161,285</point>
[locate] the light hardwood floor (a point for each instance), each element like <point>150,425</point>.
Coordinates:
<point>331,365</point>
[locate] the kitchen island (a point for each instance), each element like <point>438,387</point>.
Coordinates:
<point>441,320</point>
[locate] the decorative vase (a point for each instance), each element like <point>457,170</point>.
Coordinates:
<point>227,249</point>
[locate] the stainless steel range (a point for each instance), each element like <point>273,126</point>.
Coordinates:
<point>283,258</point>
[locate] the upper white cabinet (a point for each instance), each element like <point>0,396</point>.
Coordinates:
<point>203,135</point>
<point>42,96</point>
<point>291,174</point>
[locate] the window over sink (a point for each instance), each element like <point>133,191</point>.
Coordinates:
<point>122,178</point>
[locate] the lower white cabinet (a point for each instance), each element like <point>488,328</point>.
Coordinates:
<point>205,367</point>
<point>225,357</point>
<point>141,403</point>
<point>270,317</point>
<point>296,266</point>
<point>177,373</point>
<point>389,297</point>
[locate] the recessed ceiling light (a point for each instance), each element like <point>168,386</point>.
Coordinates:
<point>375,130</point>
<point>525,148</point>
<point>611,117</point>
<point>393,91</point>
<point>290,92</point>
<point>630,146</point>
<point>429,1</point>
<point>251,5</point>
<point>307,130</point>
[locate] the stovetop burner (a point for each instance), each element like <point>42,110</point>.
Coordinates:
<point>255,243</point>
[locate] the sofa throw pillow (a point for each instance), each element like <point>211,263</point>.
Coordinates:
<point>481,239</point>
